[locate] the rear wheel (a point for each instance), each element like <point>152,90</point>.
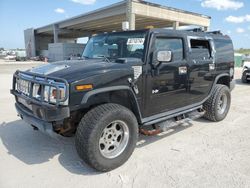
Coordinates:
<point>106,136</point>
<point>218,105</point>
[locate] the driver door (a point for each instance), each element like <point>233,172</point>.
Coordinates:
<point>167,86</point>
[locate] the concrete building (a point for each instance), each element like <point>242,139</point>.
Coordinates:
<point>133,13</point>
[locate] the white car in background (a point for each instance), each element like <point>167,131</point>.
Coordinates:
<point>10,57</point>
<point>246,72</point>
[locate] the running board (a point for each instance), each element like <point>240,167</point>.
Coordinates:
<point>172,122</point>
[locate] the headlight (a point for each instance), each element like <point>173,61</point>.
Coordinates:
<point>51,94</point>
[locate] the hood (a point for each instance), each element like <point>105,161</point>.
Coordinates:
<point>73,70</point>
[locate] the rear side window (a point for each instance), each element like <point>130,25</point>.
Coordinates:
<point>201,49</point>
<point>224,50</point>
<point>175,45</point>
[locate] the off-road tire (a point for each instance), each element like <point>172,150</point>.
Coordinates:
<point>90,129</point>
<point>210,106</point>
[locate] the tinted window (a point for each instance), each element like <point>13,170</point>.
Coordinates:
<point>200,49</point>
<point>224,50</point>
<point>173,45</point>
<point>116,45</point>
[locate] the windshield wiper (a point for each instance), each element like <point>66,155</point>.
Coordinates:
<point>85,57</point>
<point>105,58</point>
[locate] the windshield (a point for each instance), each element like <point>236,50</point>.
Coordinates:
<point>116,45</point>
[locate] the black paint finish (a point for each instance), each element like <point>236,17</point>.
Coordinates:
<point>162,87</point>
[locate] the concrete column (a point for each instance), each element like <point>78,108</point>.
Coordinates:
<point>176,25</point>
<point>132,22</point>
<point>130,15</point>
<point>55,32</point>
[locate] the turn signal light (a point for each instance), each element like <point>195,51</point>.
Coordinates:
<point>84,87</point>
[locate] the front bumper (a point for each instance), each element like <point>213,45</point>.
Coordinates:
<point>36,110</point>
<point>43,126</point>
<point>42,111</point>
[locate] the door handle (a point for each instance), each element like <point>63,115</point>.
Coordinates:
<point>194,61</point>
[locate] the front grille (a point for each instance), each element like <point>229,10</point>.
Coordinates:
<point>23,86</point>
<point>34,86</point>
<point>28,88</point>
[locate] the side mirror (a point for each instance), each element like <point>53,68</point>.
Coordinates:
<point>164,56</point>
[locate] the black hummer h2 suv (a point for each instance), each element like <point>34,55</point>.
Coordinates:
<point>126,83</point>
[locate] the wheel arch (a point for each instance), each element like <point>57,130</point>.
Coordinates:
<point>122,95</point>
<point>223,79</point>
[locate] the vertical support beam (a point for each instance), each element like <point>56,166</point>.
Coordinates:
<point>132,22</point>
<point>55,32</point>
<point>130,15</point>
<point>176,25</point>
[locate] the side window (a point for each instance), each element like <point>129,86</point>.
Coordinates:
<point>224,50</point>
<point>171,44</point>
<point>201,49</point>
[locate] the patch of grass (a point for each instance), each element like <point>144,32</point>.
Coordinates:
<point>243,51</point>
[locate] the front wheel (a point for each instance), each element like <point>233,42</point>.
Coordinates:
<point>218,105</point>
<point>106,136</point>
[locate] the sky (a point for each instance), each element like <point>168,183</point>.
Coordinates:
<point>230,16</point>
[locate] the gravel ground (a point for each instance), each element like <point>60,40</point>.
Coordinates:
<point>204,154</point>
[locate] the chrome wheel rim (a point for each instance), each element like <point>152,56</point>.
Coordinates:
<point>114,139</point>
<point>222,104</point>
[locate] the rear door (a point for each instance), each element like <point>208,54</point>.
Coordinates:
<point>201,65</point>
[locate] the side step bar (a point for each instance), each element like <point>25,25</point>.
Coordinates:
<point>172,122</point>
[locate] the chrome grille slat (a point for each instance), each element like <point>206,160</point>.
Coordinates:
<point>32,85</point>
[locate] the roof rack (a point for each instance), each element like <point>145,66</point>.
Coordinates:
<point>201,29</point>
<point>215,32</point>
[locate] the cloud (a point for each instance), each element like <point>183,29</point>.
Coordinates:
<point>222,4</point>
<point>240,30</point>
<point>238,19</point>
<point>59,10</point>
<point>84,2</point>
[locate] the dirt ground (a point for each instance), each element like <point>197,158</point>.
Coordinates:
<point>203,154</point>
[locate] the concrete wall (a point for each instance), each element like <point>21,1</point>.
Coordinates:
<point>63,51</point>
<point>30,43</point>
<point>42,43</point>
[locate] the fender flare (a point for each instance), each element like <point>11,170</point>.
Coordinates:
<point>91,93</point>
<point>215,82</point>
<point>218,77</point>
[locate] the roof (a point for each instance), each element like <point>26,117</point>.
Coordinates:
<point>110,18</point>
